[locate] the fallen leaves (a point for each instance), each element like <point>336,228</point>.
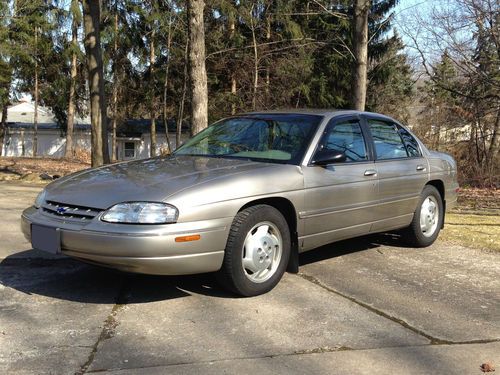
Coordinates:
<point>31,169</point>
<point>487,367</point>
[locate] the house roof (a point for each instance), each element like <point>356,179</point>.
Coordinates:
<point>24,112</point>
<point>133,128</point>
<point>137,127</point>
<point>44,126</point>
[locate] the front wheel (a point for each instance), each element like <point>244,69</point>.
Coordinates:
<point>427,220</point>
<point>257,251</point>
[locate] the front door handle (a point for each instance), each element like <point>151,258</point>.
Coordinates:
<point>421,168</point>
<point>370,172</point>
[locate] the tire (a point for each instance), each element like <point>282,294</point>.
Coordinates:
<point>423,233</point>
<point>257,251</point>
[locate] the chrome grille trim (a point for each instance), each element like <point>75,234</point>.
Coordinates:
<point>69,211</point>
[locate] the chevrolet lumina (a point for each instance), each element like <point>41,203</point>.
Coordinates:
<point>246,195</point>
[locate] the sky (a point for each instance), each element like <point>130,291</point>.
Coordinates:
<point>405,8</point>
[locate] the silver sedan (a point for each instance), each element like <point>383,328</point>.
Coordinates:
<point>245,196</point>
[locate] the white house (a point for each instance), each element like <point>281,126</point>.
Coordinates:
<point>133,137</point>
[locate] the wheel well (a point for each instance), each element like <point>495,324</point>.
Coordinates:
<point>287,209</point>
<point>283,205</point>
<point>439,185</point>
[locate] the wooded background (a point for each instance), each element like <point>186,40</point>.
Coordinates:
<point>193,62</point>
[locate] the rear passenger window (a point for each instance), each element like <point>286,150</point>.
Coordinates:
<point>410,143</point>
<point>345,137</point>
<point>388,142</point>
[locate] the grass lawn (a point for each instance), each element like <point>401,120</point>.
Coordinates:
<point>477,231</point>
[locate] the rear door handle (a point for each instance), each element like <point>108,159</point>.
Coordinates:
<point>421,168</point>
<point>370,172</point>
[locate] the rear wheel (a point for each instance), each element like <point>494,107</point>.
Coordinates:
<point>257,251</point>
<point>427,220</point>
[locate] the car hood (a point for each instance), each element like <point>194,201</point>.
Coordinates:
<point>143,180</point>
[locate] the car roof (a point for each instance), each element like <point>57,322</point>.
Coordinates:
<point>319,112</point>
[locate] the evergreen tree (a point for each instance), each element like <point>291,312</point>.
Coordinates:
<point>31,41</point>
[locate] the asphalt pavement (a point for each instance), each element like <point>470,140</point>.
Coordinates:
<point>364,306</point>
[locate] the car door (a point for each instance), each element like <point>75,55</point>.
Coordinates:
<point>338,196</point>
<point>402,173</point>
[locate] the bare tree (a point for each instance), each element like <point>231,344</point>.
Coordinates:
<point>360,41</point>
<point>75,10</point>
<point>197,69</point>
<point>98,116</point>
<point>116,75</point>
<point>165,82</point>
<point>180,116</point>
<point>152,59</point>
<point>35,117</point>
<point>467,34</point>
<point>255,61</point>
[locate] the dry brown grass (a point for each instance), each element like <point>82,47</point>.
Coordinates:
<point>472,230</point>
<point>29,169</point>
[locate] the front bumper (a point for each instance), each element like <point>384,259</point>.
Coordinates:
<point>149,249</point>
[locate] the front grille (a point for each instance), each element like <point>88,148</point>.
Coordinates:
<point>69,211</point>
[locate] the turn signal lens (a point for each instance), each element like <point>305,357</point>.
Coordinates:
<point>194,237</point>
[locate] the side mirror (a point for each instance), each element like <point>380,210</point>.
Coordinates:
<point>328,157</point>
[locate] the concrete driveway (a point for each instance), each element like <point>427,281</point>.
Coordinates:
<point>365,306</point>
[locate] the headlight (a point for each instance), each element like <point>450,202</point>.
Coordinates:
<point>40,199</point>
<point>141,213</point>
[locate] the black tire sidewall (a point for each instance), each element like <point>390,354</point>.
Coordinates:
<point>419,239</point>
<point>241,284</point>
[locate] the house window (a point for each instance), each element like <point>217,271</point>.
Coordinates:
<point>129,150</point>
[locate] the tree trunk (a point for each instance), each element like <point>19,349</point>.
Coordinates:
<point>72,90</point>
<point>35,117</point>
<point>256,62</point>
<point>493,148</point>
<point>234,85</point>
<point>152,87</point>
<point>234,88</point>
<point>360,41</point>
<point>115,89</point>
<point>197,70</point>
<point>165,84</point>
<point>3,124</point>
<point>23,145</point>
<point>180,116</point>
<point>98,116</point>
<point>268,65</point>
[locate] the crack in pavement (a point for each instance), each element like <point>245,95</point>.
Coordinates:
<point>270,356</point>
<point>433,340</point>
<point>325,349</point>
<point>121,301</point>
<point>110,324</point>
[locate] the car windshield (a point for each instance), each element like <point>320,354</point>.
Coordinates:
<point>269,138</point>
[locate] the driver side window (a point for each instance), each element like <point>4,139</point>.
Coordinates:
<point>346,137</point>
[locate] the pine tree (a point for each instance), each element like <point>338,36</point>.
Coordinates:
<point>30,36</point>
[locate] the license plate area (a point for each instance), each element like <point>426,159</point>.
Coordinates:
<point>46,238</point>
